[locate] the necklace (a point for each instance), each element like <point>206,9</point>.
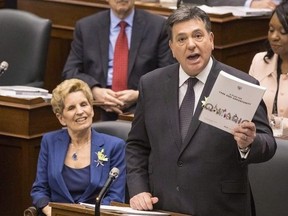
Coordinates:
<point>75,154</point>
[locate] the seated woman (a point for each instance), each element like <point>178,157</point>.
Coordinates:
<point>271,67</point>
<point>74,162</point>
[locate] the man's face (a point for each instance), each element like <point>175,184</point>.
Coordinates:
<point>191,45</point>
<point>121,8</point>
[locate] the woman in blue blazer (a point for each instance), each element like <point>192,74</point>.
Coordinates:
<point>74,162</point>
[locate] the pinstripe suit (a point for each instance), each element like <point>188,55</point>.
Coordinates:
<point>204,175</point>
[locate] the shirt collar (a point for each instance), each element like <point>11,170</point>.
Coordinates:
<point>202,76</point>
<point>115,20</point>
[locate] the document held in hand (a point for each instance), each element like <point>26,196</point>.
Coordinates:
<point>231,102</point>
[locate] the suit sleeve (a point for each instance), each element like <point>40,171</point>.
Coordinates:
<point>137,151</point>
<point>40,189</point>
<point>74,67</point>
<point>264,145</point>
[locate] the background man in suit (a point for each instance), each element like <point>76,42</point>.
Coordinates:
<point>205,171</point>
<point>92,53</point>
<point>271,4</point>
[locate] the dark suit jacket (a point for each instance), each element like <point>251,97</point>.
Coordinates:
<point>217,2</point>
<point>88,59</point>
<point>203,176</point>
<point>50,185</point>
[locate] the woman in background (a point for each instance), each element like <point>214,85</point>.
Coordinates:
<point>271,67</point>
<point>74,162</point>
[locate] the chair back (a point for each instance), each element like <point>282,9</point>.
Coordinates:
<point>269,183</point>
<point>24,41</point>
<point>119,128</point>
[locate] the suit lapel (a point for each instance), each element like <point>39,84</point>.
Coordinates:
<point>139,25</point>
<point>103,41</point>
<point>171,102</point>
<point>61,145</point>
<point>95,169</point>
<point>205,93</point>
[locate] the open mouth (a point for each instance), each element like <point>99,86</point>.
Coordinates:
<point>193,57</point>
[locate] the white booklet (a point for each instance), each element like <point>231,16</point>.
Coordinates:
<point>231,102</point>
<point>124,210</point>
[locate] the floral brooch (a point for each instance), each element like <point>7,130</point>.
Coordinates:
<point>101,158</point>
<point>204,102</point>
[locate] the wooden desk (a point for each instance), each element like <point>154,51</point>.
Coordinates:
<point>23,123</point>
<point>236,39</point>
<point>66,209</point>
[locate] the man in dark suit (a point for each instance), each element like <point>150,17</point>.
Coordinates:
<point>271,4</point>
<point>92,53</point>
<point>205,171</point>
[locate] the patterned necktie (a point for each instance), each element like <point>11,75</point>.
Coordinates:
<point>187,107</point>
<point>120,64</point>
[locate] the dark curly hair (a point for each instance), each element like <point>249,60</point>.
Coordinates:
<point>282,13</point>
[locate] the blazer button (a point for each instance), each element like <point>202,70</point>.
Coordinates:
<point>178,188</point>
<point>180,163</point>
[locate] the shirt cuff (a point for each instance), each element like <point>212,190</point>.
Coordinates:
<point>244,154</point>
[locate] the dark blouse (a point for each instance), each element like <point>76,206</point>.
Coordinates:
<point>77,180</point>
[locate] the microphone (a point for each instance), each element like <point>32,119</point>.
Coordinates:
<point>112,176</point>
<point>3,67</point>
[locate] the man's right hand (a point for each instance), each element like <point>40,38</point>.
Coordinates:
<point>143,201</point>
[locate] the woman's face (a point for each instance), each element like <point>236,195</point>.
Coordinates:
<point>77,113</point>
<point>278,37</point>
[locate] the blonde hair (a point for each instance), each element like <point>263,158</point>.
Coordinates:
<point>66,87</point>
